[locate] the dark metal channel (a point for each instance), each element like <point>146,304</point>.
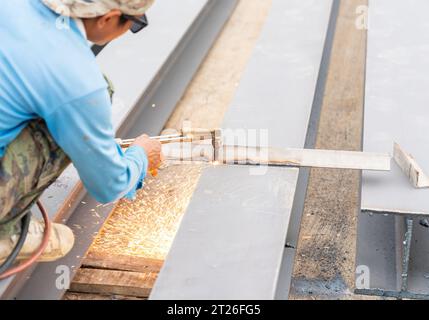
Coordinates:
<point>283,287</point>
<point>47,280</point>
<point>395,250</point>
<point>394,247</point>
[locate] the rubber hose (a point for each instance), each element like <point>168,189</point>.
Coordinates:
<point>33,258</point>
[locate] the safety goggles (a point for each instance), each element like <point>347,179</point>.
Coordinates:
<point>138,23</point>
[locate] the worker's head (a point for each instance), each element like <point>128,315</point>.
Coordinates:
<point>104,20</point>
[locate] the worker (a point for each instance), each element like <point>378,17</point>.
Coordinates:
<point>55,109</point>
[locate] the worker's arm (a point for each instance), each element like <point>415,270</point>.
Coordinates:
<point>83,128</point>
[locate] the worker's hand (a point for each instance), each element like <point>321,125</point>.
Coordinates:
<point>153,149</point>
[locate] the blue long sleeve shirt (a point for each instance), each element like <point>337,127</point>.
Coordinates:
<point>50,73</point>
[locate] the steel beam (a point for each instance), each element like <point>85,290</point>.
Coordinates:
<point>284,285</point>
<point>391,242</point>
<point>231,242</point>
<point>394,250</point>
<point>396,101</point>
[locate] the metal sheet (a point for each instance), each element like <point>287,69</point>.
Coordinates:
<point>231,242</point>
<point>234,233</point>
<point>377,249</point>
<point>396,111</point>
<point>148,72</point>
<point>418,274</point>
<point>396,100</point>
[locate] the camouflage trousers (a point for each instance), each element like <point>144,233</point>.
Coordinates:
<point>32,162</point>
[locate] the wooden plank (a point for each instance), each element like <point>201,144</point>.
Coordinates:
<point>102,260</point>
<point>110,282</point>
<point>411,168</point>
<point>334,159</point>
<point>287,157</point>
<point>78,296</point>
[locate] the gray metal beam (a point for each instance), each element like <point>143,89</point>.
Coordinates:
<point>147,72</point>
<point>396,100</point>
<point>231,242</point>
<point>294,228</point>
<point>393,245</point>
<point>395,250</point>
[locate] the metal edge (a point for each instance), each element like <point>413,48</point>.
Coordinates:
<point>286,269</point>
<point>405,246</point>
<point>408,216</point>
<point>391,294</point>
<point>169,84</point>
<point>396,213</point>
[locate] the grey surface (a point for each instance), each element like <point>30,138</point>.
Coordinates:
<point>143,55</point>
<point>313,128</point>
<point>380,245</point>
<point>156,105</point>
<point>145,71</point>
<point>396,111</point>
<point>283,288</point>
<point>418,277</point>
<point>240,218</point>
<point>231,242</point>
<point>294,227</point>
<point>277,89</point>
<point>397,99</point>
<point>377,249</point>
<point>41,284</point>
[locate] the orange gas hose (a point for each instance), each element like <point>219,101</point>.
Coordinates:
<point>33,258</point>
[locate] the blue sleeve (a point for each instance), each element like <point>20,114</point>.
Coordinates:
<point>83,129</point>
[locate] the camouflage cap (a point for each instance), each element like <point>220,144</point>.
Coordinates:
<point>96,8</point>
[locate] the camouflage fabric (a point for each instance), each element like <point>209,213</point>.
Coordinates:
<point>96,8</point>
<point>110,88</point>
<point>33,161</point>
